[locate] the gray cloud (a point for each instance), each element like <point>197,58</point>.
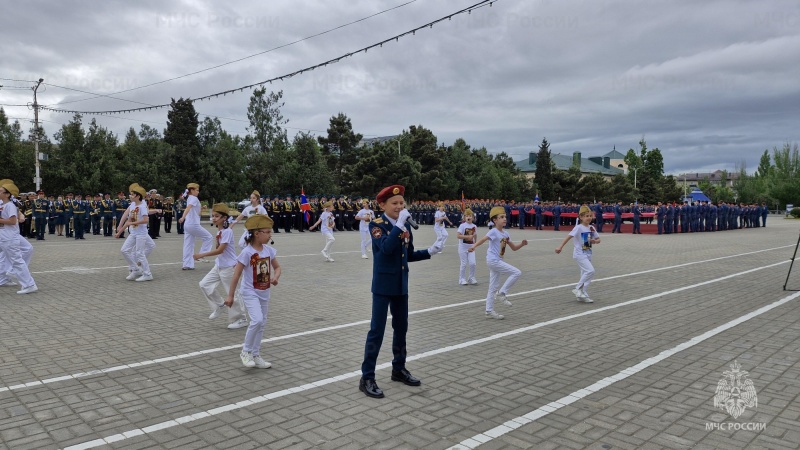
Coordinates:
<point>710,84</point>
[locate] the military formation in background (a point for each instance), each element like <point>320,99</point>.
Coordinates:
<point>74,215</point>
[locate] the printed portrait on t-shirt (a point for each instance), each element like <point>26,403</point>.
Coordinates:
<point>586,241</point>
<point>261,274</point>
<point>503,243</point>
<point>331,221</point>
<point>468,232</point>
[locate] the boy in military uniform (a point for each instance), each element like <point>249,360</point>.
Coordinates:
<point>393,249</point>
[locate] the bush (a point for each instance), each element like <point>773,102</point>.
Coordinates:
<point>795,212</point>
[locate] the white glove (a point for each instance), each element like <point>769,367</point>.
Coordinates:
<point>434,249</point>
<point>401,219</point>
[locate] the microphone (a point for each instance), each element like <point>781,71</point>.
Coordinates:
<point>413,223</point>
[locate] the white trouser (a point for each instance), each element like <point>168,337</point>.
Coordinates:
<point>25,248</point>
<point>15,261</point>
<point>587,271</point>
<point>497,268</point>
<point>208,285</point>
<point>190,232</point>
<point>441,236</point>
<point>366,242</point>
<point>329,240</point>
<point>467,260</point>
<point>135,250</point>
<point>257,310</point>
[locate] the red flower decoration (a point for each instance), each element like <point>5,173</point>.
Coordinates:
<point>254,259</point>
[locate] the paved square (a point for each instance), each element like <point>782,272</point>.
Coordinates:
<point>95,360</point>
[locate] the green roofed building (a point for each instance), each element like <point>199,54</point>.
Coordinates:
<point>608,165</point>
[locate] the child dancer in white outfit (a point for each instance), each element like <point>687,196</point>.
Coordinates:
<point>585,236</point>
<point>259,269</point>
<point>438,226</point>
<point>192,228</point>
<point>364,217</point>
<point>327,221</point>
<point>467,233</point>
<point>138,245</point>
<point>494,260</point>
<point>10,239</point>
<point>255,207</point>
<point>222,272</point>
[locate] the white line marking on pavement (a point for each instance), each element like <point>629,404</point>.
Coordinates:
<point>517,422</point>
<point>337,327</point>
<point>357,373</point>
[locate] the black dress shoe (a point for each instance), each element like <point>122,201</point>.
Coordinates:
<point>405,377</point>
<point>370,388</point>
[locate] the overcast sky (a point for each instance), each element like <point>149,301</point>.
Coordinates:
<point>712,84</point>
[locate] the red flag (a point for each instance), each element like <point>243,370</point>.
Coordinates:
<point>463,204</point>
<point>304,206</point>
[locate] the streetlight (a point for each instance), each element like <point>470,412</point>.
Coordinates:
<point>398,142</point>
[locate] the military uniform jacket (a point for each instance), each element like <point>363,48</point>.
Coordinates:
<point>393,249</point>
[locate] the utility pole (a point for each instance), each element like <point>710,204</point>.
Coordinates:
<point>37,180</point>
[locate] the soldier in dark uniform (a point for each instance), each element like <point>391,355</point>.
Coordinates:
<point>95,214</point>
<point>52,217</point>
<point>299,220</point>
<point>79,210</point>
<point>661,213</point>
<point>598,216</point>
<point>338,211</point>
<point>274,211</point>
<point>168,214</point>
<point>154,207</point>
<point>288,214</point>
<point>120,205</point>
<point>41,209</point>
<point>557,216</point>
<point>618,218</point>
<point>69,221</point>
<point>349,215</point>
<point>637,223</point>
<point>107,213</point>
<point>393,249</point>
<point>764,214</point>
<point>26,209</point>
<point>178,207</point>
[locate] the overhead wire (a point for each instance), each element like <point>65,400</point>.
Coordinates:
<point>395,38</point>
<point>233,61</point>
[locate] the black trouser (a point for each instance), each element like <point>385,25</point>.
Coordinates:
<point>108,224</point>
<point>78,223</point>
<point>41,224</point>
<point>96,224</point>
<point>168,223</point>
<point>51,225</point>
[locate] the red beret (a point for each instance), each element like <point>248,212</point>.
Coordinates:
<point>389,192</point>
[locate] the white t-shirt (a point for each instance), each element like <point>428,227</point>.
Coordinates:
<point>327,222</point>
<point>228,257</point>
<point>257,271</point>
<point>7,211</point>
<point>364,225</point>
<point>253,210</point>
<point>193,217</point>
<point>135,214</point>
<point>497,244</point>
<point>467,229</point>
<point>580,237</point>
<point>439,215</point>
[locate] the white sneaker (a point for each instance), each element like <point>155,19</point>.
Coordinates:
<point>217,312</point>
<point>9,283</point>
<point>578,293</point>
<point>238,324</point>
<point>364,257</point>
<point>502,297</point>
<point>260,363</point>
<point>133,275</point>
<point>325,255</point>
<point>494,315</point>
<point>147,277</point>
<point>247,359</point>
<point>586,299</point>
<point>204,260</point>
<point>462,282</point>
<point>473,281</point>
<point>28,289</point>
<point>330,259</point>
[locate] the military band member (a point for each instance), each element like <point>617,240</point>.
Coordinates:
<point>79,209</point>
<point>68,219</point>
<point>179,206</point>
<point>27,210</point>
<point>51,216</point>
<point>94,213</point>
<point>107,213</point>
<point>288,214</point>
<point>41,208</point>
<point>275,212</point>
<point>168,214</point>
<point>120,205</point>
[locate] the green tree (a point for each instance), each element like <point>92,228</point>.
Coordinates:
<point>340,148</point>
<point>181,135</point>
<point>567,183</point>
<point>380,166</point>
<point>311,168</point>
<point>764,165</point>
<point>621,189</point>
<point>544,172</point>
<point>591,188</point>
<point>422,147</point>
<point>785,180</point>
<point>71,160</point>
<point>16,158</point>
<point>222,163</point>
<point>102,148</point>
<point>268,145</point>
<point>670,191</point>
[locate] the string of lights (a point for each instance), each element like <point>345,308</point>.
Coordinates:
<point>395,38</point>
<point>95,95</point>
